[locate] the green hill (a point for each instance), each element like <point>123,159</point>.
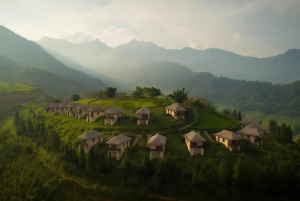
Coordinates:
<point>57,85</point>
<point>30,54</point>
<point>44,151</point>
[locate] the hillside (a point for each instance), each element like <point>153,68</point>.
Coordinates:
<point>284,68</point>
<point>245,95</point>
<point>30,54</point>
<point>52,167</point>
<point>57,85</point>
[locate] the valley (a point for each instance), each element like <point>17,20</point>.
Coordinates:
<point>42,157</point>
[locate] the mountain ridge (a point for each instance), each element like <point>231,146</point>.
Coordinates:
<point>136,54</point>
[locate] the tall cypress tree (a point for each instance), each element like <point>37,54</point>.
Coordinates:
<point>239,115</point>
<point>81,157</point>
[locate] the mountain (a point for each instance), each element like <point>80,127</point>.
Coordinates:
<point>284,68</point>
<point>245,95</point>
<point>31,54</point>
<point>51,83</point>
<point>92,73</point>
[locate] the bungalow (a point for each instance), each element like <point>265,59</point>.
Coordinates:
<point>253,134</point>
<point>112,115</point>
<point>62,108</point>
<point>194,142</point>
<point>157,144</point>
<point>53,108</point>
<point>90,138</point>
<point>258,126</point>
<point>143,116</point>
<point>80,111</point>
<point>229,139</point>
<point>117,145</point>
<point>70,108</point>
<point>176,110</point>
<point>94,113</point>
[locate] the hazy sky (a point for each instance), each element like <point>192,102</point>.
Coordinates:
<point>251,28</point>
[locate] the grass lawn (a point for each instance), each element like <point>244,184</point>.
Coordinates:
<point>296,137</point>
<point>176,144</point>
<point>210,120</point>
<point>85,101</point>
<point>5,87</point>
<point>125,103</point>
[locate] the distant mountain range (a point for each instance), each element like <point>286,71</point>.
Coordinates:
<point>29,55</point>
<point>246,95</point>
<point>97,56</point>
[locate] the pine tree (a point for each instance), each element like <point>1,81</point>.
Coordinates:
<point>234,114</point>
<point>81,157</point>
<point>239,117</point>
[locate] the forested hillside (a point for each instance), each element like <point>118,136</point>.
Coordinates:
<point>246,95</point>
<point>54,84</point>
<point>32,55</point>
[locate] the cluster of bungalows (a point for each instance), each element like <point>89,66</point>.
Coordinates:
<point>155,143</point>
<point>91,113</point>
<point>250,130</point>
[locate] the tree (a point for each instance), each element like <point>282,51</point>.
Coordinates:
<point>81,158</point>
<point>110,91</point>
<point>179,95</point>
<point>75,97</point>
<point>234,114</point>
<point>239,117</point>
<point>138,92</point>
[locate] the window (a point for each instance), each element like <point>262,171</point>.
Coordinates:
<point>93,140</point>
<point>223,139</point>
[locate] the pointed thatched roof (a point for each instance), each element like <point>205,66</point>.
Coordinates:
<point>257,126</point>
<point>229,135</point>
<point>90,135</point>
<point>72,105</point>
<point>50,105</point>
<point>82,107</point>
<point>194,136</point>
<point>144,111</point>
<point>113,110</point>
<point>251,131</point>
<point>157,139</point>
<point>96,109</point>
<point>119,139</point>
<point>176,107</point>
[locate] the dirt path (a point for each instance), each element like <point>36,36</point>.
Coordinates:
<point>195,121</point>
<point>135,141</point>
<point>209,137</point>
<point>130,112</point>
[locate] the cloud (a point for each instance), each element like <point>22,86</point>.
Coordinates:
<point>196,45</point>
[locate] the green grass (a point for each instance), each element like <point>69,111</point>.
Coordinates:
<point>296,137</point>
<point>125,103</point>
<point>5,87</point>
<point>211,120</point>
<point>85,101</point>
<point>176,145</point>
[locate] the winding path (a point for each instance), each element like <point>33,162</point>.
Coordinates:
<point>209,137</point>
<point>195,121</point>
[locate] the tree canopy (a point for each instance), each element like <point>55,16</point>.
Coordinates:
<point>110,92</point>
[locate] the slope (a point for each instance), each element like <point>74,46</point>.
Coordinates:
<point>52,83</point>
<point>30,54</point>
